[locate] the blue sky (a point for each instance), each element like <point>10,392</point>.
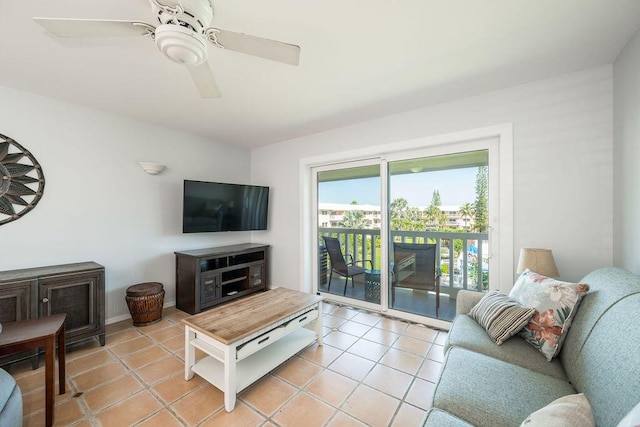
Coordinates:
<point>456,187</point>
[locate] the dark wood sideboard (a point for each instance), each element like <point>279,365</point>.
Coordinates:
<point>76,289</point>
<point>208,277</point>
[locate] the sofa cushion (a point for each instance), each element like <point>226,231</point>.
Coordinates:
<point>466,333</point>
<point>500,316</point>
<point>466,300</point>
<point>572,410</point>
<point>556,304</point>
<point>607,286</point>
<point>439,418</point>
<point>599,348</point>
<point>607,370</point>
<point>10,401</point>
<point>489,392</point>
<point>7,384</point>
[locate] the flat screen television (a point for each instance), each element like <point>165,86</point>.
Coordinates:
<point>219,206</point>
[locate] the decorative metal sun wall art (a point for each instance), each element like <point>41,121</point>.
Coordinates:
<point>21,180</point>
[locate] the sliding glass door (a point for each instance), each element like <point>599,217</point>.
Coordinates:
<point>348,233</point>
<point>438,223</point>
<point>404,232</point>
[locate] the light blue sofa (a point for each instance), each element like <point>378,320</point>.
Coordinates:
<point>10,401</point>
<point>483,384</point>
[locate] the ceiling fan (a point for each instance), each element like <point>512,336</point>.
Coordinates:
<point>182,34</point>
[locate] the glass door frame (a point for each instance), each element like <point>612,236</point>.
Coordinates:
<point>383,233</point>
<point>492,146</point>
<point>500,209</point>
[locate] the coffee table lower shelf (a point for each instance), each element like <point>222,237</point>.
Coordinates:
<point>258,364</point>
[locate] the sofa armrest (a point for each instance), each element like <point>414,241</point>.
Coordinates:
<point>466,300</point>
<point>10,401</point>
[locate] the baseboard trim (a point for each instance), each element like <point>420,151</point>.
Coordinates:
<point>127,316</point>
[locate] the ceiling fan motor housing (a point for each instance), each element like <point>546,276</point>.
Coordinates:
<point>197,14</point>
<point>180,36</point>
<point>181,45</point>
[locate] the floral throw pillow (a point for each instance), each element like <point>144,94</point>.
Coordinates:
<point>556,304</point>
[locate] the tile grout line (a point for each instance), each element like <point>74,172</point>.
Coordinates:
<point>361,382</point>
<point>174,320</point>
<point>139,379</point>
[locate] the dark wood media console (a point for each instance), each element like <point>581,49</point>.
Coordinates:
<point>75,289</point>
<point>208,277</point>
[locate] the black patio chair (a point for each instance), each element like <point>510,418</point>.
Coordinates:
<point>414,267</point>
<point>340,266</point>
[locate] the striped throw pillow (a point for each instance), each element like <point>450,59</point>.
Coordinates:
<point>501,316</point>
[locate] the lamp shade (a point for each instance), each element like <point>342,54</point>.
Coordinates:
<point>537,260</point>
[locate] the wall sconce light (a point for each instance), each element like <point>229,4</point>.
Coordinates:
<point>537,260</point>
<point>151,168</point>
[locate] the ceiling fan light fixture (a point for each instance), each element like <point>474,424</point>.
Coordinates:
<point>181,45</point>
<point>183,35</point>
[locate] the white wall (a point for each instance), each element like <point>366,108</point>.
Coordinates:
<point>626,162</point>
<point>563,175</point>
<point>98,204</point>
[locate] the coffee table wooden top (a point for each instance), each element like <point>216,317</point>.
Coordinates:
<point>238,319</point>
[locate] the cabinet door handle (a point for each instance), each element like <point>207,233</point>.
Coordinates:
<point>45,300</point>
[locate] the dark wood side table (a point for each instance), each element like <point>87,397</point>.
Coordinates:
<point>33,334</point>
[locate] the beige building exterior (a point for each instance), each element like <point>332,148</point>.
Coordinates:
<point>331,215</point>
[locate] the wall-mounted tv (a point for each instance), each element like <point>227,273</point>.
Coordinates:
<point>218,206</point>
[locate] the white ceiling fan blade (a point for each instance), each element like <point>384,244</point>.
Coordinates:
<point>257,46</point>
<point>203,78</point>
<point>63,27</point>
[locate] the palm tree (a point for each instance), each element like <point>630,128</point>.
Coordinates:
<point>399,208</point>
<point>481,214</point>
<point>435,218</point>
<point>354,219</point>
<point>466,213</point>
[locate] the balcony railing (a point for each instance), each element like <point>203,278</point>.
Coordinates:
<point>462,256</point>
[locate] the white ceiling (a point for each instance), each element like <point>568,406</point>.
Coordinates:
<point>360,59</point>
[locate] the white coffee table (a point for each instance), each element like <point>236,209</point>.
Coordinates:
<point>245,339</point>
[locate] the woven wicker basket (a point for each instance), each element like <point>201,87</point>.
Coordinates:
<point>145,302</point>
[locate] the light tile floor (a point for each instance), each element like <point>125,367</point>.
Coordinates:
<point>372,370</point>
